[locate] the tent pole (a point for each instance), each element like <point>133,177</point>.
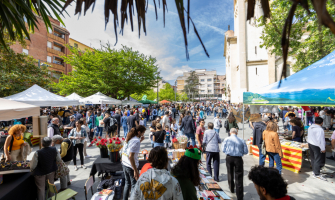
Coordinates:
<point>243,122</point>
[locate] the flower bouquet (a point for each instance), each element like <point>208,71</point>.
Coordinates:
<point>114,146</point>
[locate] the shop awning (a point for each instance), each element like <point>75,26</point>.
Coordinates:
<point>100,98</point>
<point>312,86</point>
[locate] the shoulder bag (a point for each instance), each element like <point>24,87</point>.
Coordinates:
<point>204,145</point>
<point>263,146</point>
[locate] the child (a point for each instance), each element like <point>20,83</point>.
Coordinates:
<point>174,128</point>
<point>180,131</point>
<point>167,141</point>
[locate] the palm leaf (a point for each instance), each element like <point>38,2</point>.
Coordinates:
<point>141,10</point>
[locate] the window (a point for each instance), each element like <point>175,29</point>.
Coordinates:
<point>202,80</point>
<point>202,90</point>
<point>49,30</point>
<point>209,91</point>
<point>209,85</point>
<point>57,48</point>
<point>49,44</point>
<point>49,59</point>
<point>25,51</point>
<point>255,49</point>
<point>222,84</point>
<point>256,70</point>
<point>76,45</point>
<point>203,85</point>
<point>209,79</point>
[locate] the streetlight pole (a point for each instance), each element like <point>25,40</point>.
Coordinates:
<point>157,85</point>
<point>175,91</point>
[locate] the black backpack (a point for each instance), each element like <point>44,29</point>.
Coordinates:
<point>112,125</point>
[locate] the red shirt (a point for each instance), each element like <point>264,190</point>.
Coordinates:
<point>200,131</point>
<point>145,168</point>
<point>285,198</point>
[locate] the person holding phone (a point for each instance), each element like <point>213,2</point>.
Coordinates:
<point>78,136</point>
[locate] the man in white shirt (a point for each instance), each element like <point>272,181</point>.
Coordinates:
<point>317,147</point>
<point>166,120</point>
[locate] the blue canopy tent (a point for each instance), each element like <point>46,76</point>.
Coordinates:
<point>312,86</point>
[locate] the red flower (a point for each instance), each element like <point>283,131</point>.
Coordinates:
<point>117,139</point>
<point>95,139</point>
<point>92,142</point>
<point>110,140</point>
<point>123,139</point>
<point>99,137</point>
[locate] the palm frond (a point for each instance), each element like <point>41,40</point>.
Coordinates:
<point>141,11</point>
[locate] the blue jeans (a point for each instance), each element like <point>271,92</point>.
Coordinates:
<point>145,122</point>
<point>130,181</point>
<point>99,131</point>
<point>261,156</point>
<point>125,131</point>
<point>217,130</point>
<point>309,120</point>
<point>215,114</point>
<point>208,113</point>
<point>275,157</point>
<point>192,137</point>
<point>158,144</point>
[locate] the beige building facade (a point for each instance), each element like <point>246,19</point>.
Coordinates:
<point>248,66</point>
<point>212,86</point>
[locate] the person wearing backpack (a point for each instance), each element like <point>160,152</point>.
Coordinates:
<point>110,125</point>
<point>230,123</point>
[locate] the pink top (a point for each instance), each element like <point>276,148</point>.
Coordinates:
<point>333,136</point>
<point>200,131</point>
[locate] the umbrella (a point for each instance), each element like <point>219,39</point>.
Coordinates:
<point>147,102</point>
<point>164,101</point>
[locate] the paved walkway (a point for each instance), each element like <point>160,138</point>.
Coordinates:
<point>301,186</point>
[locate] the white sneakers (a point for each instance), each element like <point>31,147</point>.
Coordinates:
<point>88,156</point>
<point>76,168</point>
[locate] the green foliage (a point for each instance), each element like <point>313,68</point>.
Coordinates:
<point>192,83</point>
<point>166,93</point>
<point>182,96</point>
<point>151,95</point>
<point>116,73</point>
<point>14,13</point>
<point>306,51</point>
<point>19,71</point>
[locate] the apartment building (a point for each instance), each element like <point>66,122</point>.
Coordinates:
<point>48,46</point>
<point>211,85</point>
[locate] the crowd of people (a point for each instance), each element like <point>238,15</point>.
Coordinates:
<point>74,129</point>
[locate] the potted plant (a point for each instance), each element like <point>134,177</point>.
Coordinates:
<point>102,145</point>
<point>114,147</point>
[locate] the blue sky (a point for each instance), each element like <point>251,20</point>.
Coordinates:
<point>211,18</point>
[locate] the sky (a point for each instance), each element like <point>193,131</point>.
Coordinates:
<point>211,19</point>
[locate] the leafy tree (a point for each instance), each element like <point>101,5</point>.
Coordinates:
<point>318,43</point>
<point>151,95</point>
<point>192,84</point>
<point>19,71</point>
<point>182,96</point>
<point>18,17</point>
<point>116,73</point>
<point>166,93</point>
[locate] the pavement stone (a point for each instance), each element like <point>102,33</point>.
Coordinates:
<point>301,186</point>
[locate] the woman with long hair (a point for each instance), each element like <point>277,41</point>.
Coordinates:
<point>130,158</point>
<point>14,143</point>
<point>159,136</point>
<point>231,123</point>
<point>78,136</point>
<point>186,172</point>
<point>272,145</point>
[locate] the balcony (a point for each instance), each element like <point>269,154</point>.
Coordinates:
<point>216,87</point>
<point>50,50</point>
<point>57,66</point>
<point>59,39</point>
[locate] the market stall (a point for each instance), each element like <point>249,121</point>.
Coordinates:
<point>292,154</point>
<point>99,98</point>
<point>306,93</point>
<point>35,95</point>
<point>74,96</point>
<point>131,103</point>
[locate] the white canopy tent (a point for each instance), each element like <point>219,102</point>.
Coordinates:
<point>74,96</point>
<point>131,103</point>
<point>15,110</point>
<point>99,98</point>
<point>35,95</point>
